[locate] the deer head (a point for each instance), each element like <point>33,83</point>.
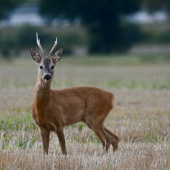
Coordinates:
<point>46,63</point>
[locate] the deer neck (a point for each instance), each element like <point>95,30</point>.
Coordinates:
<point>41,94</point>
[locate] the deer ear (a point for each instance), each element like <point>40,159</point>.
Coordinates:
<point>57,56</point>
<point>35,54</point>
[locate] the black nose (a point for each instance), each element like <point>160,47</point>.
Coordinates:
<point>47,77</point>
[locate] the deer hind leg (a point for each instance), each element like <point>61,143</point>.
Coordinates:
<point>60,134</point>
<point>101,135</point>
<point>113,138</point>
<point>45,134</point>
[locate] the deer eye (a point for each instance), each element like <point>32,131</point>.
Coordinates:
<point>41,67</point>
<point>52,67</point>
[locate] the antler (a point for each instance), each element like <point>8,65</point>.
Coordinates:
<point>39,45</point>
<point>55,44</point>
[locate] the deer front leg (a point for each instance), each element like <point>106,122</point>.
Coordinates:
<point>60,134</point>
<point>45,134</point>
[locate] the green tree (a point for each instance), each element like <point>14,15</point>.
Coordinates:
<point>155,5</point>
<point>6,41</point>
<point>7,5</point>
<point>103,19</point>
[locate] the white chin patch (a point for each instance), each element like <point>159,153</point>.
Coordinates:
<point>47,80</point>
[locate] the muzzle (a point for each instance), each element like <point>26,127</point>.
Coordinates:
<point>47,78</point>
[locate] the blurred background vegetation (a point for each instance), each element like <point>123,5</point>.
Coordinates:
<point>82,27</point>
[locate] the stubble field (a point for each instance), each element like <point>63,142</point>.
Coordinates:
<point>140,118</point>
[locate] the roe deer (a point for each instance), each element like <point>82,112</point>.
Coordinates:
<point>52,110</point>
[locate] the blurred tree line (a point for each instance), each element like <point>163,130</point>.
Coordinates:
<point>156,5</point>
<point>14,40</point>
<point>7,5</point>
<point>108,29</point>
<point>105,20</point>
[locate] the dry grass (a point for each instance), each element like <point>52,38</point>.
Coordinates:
<point>141,117</point>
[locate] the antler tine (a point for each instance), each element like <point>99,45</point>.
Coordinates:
<point>39,45</point>
<point>55,44</point>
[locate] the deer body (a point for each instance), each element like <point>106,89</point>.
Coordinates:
<point>52,110</point>
<point>69,106</point>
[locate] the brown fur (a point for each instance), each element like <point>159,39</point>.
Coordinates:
<point>52,110</point>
